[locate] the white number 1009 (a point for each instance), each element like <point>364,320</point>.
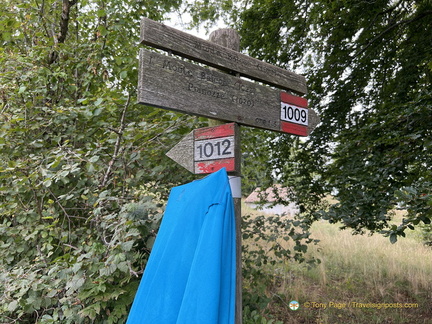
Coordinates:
<point>294,114</point>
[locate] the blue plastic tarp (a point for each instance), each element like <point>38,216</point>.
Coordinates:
<point>190,275</point>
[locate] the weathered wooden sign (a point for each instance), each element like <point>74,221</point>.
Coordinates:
<point>170,39</point>
<point>170,83</point>
<point>209,149</point>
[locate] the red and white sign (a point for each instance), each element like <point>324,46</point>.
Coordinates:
<point>214,148</point>
<point>209,149</point>
<point>294,114</point>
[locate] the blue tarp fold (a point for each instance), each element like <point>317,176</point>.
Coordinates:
<point>190,275</point>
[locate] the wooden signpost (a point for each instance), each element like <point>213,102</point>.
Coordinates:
<point>170,39</point>
<point>219,93</point>
<point>170,83</point>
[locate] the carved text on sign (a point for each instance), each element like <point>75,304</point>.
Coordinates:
<point>163,37</point>
<point>171,83</point>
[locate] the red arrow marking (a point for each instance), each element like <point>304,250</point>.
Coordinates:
<point>213,166</point>
<point>294,128</point>
<point>214,132</point>
<point>294,100</point>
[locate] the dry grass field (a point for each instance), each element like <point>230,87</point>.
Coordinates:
<point>361,279</point>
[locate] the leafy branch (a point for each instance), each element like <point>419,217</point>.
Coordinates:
<point>64,27</point>
<point>390,28</point>
<point>117,145</point>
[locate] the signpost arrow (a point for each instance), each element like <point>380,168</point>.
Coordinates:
<point>209,149</point>
<point>183,152</point>
<point>170,83</point>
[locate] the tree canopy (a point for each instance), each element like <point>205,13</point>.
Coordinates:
<point>82,166</point>
<point>368,65</point>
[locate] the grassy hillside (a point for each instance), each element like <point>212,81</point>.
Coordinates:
<point>361,279</point>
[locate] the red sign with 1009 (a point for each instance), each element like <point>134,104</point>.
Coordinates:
<point>294,114</point>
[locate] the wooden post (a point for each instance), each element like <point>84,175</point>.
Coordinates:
<point>230,38</point>
<point>238,218</point>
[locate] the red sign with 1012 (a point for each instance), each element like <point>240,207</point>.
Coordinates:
<point>214,148</point>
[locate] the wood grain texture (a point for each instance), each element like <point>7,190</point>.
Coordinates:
<point>183,152</point>
<point>170,39</point>
<point>170,83</point>
<point>226,37</point>
<point>314,120</point>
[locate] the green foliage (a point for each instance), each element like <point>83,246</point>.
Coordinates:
<point>371,64</point>
<point>208,12</point>
<point>417,200</point>
<point>426,234</point>
<point>80,160</point>
<point>269,242</point>
<point>78,155</point>
<point>52,275</point>
<point>256,151</point>
<point>369,73</point>
<point>253,317</point>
